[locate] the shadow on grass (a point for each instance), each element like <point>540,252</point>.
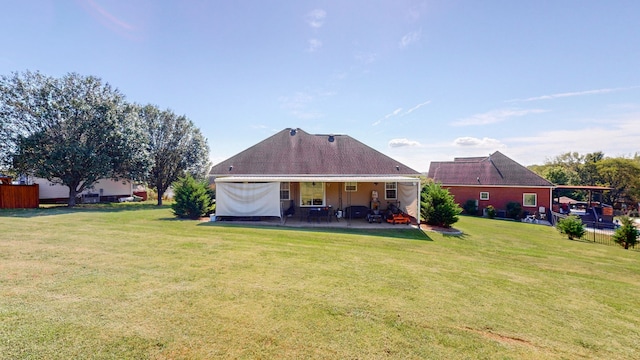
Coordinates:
<point>463,236</point>
<point>49,210</point>
<point>396,233</point>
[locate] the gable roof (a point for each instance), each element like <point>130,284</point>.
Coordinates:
<point>295,152</point>
<point>494,170</point>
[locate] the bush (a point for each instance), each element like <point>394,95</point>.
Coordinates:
<point>437,206</point>
<point>627,234</point>
<point>470,207</point>
<point>192,198</point>
<point>491,212</point>
<point>513,210</point>
<point>571,226</point>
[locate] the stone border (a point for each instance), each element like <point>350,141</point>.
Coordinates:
<point>441,230</point>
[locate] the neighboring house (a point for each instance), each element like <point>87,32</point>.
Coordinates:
<point>493,180</point>
<point>296,171</point>
<point>103,190</point>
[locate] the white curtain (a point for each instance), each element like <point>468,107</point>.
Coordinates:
<point>248,199</point>
<point>407,195</point>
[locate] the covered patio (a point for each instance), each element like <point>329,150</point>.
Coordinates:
<point>315,199</point>
<point>334,223</point>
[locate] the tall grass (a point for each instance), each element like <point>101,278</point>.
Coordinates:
<point>130,281</point>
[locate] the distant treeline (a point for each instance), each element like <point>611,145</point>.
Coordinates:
<point>622,174</point>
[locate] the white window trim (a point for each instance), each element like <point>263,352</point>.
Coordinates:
<point>324,196</point>
<point>395,189</point>
<point>535,202</point>
<point>349,184</point>
<point>288,190</point>
<point>484,193</point>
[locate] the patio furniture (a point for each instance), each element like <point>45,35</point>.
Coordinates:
<point>319,214</point>
<point>356,212</point>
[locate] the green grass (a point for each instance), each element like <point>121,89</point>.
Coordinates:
<point>128,281</point>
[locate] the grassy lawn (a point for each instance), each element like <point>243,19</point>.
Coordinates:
<point>128,281</point>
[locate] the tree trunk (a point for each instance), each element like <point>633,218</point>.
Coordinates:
<point>160,195</point>
<point>72,196</point>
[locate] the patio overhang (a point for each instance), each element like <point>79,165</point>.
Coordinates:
<point>583,187</point>
<point>318,178</point>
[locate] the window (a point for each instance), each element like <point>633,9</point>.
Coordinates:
<point>484,195</point>
<point>285,191</point>
<point>529,200</point>
<point>312,194</point>
<point>351,186</point>
<point>391,191</point>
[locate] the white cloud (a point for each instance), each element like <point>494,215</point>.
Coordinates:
<point>495,116</point>
<point>485,143</point>
<point>314,45</point>
<point>300,104</point>
<point>617,138</point>
<point>392,114</point>
<point>315,18</point>
<point>396,143</point>
<point>398,112</point>
<point>365,58</point>
<point>417,107</point>
<point>409,39</point>
<point>575,93</point>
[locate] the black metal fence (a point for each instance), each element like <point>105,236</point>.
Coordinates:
<point>597,232</point>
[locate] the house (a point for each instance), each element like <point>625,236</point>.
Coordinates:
<point>102,190</point>
<point>296,172</point>
<point>493,180</point>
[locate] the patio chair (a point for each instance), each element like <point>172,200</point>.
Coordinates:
<point>291,210</point>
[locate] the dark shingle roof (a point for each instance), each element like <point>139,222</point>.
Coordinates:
<point>496,169</point>
<point>295,152</point>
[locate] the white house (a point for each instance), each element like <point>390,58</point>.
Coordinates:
<point>103,190</point>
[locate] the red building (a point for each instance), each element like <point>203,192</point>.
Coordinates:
<point>494,180</point>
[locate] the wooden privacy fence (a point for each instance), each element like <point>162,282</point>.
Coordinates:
<point>19,196</point>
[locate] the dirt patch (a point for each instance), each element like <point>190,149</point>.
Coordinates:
<point>500,338</point>
<point>442,230</point>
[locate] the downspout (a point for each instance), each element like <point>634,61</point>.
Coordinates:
<point>419,191</point>
<point>550,209</point>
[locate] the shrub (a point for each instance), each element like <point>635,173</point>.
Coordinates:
<point>491,212</point>
<point>513,210</point>
<point>470,207</point>
<point>437,206</point>
<point>627,234</point>
<point>192,198</point>
<point>571,226</point>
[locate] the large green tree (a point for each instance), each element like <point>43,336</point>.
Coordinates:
<point>73,130</point>
<point>177,148</point>
<point>24,108</point>
<point>622,175</point>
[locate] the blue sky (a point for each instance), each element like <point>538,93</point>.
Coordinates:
<point>420,81</point>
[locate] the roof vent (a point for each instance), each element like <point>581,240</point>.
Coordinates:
<point>331,138</point>
<point>292,132</point>
<point>397,167</point>
<point>230,167</point>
